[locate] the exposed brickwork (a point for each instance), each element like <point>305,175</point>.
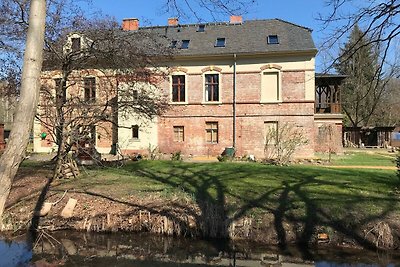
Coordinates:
<point>251,115</point>
<point>328,136</point>
<point>293,85</point>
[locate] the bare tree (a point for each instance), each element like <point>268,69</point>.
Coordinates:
<point>123,62</point>
<point>14,15</point>
<point>388,110</point>
<point>363,88</point>
<point>30,84</point>
<point>186,9</point>
<point>372,26</point>
<point>282,141</point>
<point>378,19</point>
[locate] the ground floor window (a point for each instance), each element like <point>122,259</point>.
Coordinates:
<point>212,132</point>
<point>179,133</point>
<point>135,131</point>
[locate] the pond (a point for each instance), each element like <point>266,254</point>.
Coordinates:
<point>67,248</point>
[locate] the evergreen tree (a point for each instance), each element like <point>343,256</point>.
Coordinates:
<point>362,89</point>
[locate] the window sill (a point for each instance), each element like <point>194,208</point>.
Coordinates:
<point>271,102</point>
<point>178,103</point>
<point>134,140</point>
<point>211,103</point>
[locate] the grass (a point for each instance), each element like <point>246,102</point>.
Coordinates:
<point>308,197</point>
<point>375,157</point>
<point>300,192</point>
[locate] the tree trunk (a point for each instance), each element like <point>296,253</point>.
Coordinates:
<point>27,105</point>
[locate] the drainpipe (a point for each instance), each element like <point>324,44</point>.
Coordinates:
<point>234,103</point>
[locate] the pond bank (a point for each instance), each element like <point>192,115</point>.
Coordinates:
<point>267,204</point>
<point>71,248</point>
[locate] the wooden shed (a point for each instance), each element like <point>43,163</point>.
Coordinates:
<point>369,136</point>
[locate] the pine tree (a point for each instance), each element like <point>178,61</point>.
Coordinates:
<point>362,90</point>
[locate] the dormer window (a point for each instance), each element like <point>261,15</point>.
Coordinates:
<point>173,44</point>
<point>76,44</point>
<point>201,28</point>
<point>272,39</point>
<point>185,44</point>
<point>220,42</point>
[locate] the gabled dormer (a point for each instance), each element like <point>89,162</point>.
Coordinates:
<point>76,44</point>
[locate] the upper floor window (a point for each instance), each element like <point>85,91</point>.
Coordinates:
<point>178,88</point>
<point>90,89</point>
<point>211,87</point>
<point>76,44</point>
<point>201,28</point>
<point>185,44</point>
<point>272,39</point>
<point>220,42</point>
<point>174,43</point>
<point>270,86</point>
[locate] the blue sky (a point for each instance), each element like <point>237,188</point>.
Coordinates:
<point>151,12</point>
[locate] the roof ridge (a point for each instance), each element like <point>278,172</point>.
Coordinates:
<point>212,24</point>
<point>294,24</point>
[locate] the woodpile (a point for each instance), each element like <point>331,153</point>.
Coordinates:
<point>69,169</point>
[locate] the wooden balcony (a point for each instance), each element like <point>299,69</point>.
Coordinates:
<point>327,93</point>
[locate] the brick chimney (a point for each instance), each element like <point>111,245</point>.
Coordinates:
<point>173,22</point>
<point>130,24</point>
<point>236,19</point>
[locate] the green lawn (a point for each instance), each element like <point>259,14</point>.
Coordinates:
<point>363,158</point>
<point>299,192</point>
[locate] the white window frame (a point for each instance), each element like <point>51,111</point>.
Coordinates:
<point>219,88</point>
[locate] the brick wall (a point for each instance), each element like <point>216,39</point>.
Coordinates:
<point>328,136</point>
<point>251,115</point>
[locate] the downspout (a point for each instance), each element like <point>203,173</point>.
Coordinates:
<point>234,104</point>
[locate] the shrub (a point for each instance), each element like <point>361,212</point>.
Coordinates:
<point>177,156</point>
<point>281,142</point>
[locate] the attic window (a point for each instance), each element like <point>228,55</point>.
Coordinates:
<point>220,42</point>
<point>76,44</point>
<point>201,28</point>
<point>272,39</point>
<point>185,44</point>
<point>173,44</point>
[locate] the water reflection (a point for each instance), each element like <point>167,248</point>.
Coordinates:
<point>14,253</point>
<point>83,249</point>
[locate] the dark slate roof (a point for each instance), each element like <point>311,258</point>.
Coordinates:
<point>250,37</point>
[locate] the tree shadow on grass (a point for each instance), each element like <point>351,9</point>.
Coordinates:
<point>302,197</point>
<point>292,200</point>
